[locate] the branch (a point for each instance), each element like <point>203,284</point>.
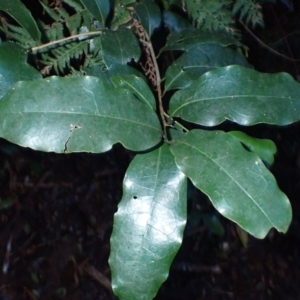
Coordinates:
<point>159,92</point>
<point>266,46</point>
<point>85,35</point>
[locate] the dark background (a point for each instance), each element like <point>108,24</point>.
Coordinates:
<point>56,212</point>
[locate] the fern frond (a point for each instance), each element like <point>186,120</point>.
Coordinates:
<point>86,19</point>
<point>66,24</point>
<point>91,60</point>
<point>95,55</point>
<point>19,35</point>
<point>75,4</point>
<point>61,53</point>
<point>76,73</point>
<point>51,12</point>
<point>63,13</point>
<point>60,58</point>
<point>73,23</point>
<point>17,29</point>
<point>248,11</point>
<point>54,33</point>
<point>211,15</point>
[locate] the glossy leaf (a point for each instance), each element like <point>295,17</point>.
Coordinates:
<point>98,8</point>
<point>241,95</point>
<point>149,15</point>
<point>114,70</point>
<point>148,226</point>
<point>17,10</point>
<point>76,114</point>
<point>137,86</point>
<point>239,185</point>
<point>119,47</point>
<point>176,131</point>
<point>264,148</point>
<point>187,39</point>
<point>14,67</point>
<point>198,60</point>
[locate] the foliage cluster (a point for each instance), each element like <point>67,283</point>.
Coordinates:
<point>112,89</point>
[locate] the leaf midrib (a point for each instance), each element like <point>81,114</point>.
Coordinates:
<point>147,226</point>
<point>232,178</point>
<point>84,114</point>
<point>138,92</point>
<point>230,97</point>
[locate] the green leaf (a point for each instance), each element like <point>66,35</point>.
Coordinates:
<point>76,114</point>
<point>121,14</point>
<point>13,67</point>
<point>98,8</point>
<point>119,47</point>
<point>198,60</point>
<point>176,131</point>
<point>51,12</point>
<point>17,10</point>
<point>249,12</point>
<point>186,39</point>
<point>243,236</point>
<point>137,86</point>
<point>264,148</point>
<point>175,22</point>
<point>239,185</point>
<point>114,70</point>
<point>241,95</point>
<point>148,226</point>
<point>149,15</point>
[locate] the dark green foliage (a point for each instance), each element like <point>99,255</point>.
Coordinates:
<point>220,15</point>
<point>60,58</point>
<point>248,11</point>
<point>71,19</point>
<point>20,35</point>
<point>211,15</point>
<point>17,11</point>
<point>110,91</point>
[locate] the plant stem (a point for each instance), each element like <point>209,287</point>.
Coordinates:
<point>159,92</point>
<point>84,35</point>
<point>179,124</point>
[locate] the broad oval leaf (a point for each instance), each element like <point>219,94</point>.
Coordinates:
<point>148,226</point>
<point>198,60</point>
<point>17,10</point>
<point>149,15</point>
<point>13,67</point>
<point>241,95</point>
<point>119,47</point>
<point>264,148</point>
<point>76,114</point>
<point>98,8</point>
<point>137,86</point>
<point>239,185</point>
